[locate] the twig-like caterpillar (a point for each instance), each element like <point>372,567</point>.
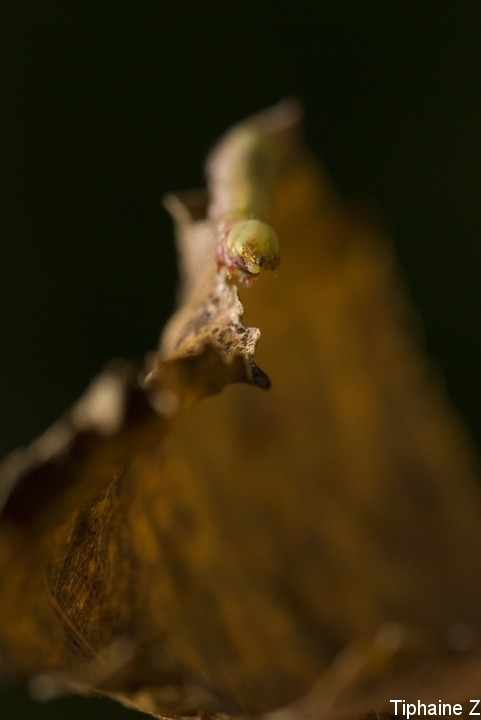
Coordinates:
<point>242,172</point>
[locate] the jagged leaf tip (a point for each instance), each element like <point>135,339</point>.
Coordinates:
<point>223,238</point>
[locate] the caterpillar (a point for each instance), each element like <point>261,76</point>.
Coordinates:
<point>242,172</point>
<point>249,247</point>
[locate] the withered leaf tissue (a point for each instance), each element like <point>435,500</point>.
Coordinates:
<point>304,553</point>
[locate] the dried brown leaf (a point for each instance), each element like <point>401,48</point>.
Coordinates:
<point>310,552</point>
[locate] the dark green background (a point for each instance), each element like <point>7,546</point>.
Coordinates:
<point>105,108</point>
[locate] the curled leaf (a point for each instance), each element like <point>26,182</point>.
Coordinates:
<point>222,236</point>
<point>305,553</point>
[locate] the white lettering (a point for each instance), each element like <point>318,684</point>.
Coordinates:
<point>474,705</point>
<point>395,704</point>
<point>410,709</point>
<point>439,709</point>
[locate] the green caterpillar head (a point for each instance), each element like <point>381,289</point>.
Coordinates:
<point>252,246</point>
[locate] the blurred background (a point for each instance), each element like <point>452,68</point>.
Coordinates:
<point>107,107</point>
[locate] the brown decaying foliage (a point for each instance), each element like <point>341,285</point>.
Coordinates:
<point>308,552</point>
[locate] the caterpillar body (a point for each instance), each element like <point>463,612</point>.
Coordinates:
<point>242,173</point>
